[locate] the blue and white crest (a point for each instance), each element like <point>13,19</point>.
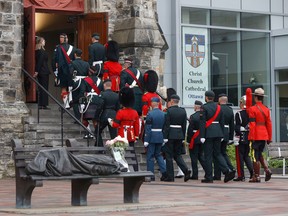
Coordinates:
<point>195,49</point>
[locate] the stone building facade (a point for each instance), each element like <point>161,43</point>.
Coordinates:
<point>132,23</point>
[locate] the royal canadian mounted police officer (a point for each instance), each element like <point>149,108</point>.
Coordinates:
<point>110,107</point>
<point>211,133</point>
<point>195,146</point>
<point>228,134</point>
<point>174,131</point>
<point>96,55</point>
<point>79,70</point>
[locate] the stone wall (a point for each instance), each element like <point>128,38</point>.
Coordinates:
<point>12,107</point>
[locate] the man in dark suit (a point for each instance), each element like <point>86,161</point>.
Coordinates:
<point>110,107</point>
<point>153,138</point>
<point>211,133</point>
<point>195,147</point>
<point>228,134</point>
<point>174,131</point>
<point>96,55</point>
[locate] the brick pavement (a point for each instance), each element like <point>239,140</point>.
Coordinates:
<point>156,198</point>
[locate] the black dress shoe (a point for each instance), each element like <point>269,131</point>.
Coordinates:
<point>217,178</point>
<point>229,176</point>
<point>46,108</point>
<point>187,175</point>
<point>206,181</point>
<point>180,176</point>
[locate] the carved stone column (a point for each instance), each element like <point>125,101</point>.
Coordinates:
<point>137,32</point>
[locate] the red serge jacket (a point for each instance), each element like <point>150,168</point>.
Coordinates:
<point>146,99</point>
<point>127,122</point>
<point>260,125</point>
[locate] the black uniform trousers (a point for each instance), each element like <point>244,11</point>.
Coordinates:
<point>197,153</point>
<point>43,79</point>
<point>217,170</point>
<point>172,150</point>
<point>212,148</point>
<point>101,127</point>
<point>242,156</point>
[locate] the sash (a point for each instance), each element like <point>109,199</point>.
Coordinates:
<point>65,53</point>
<point>92,84</point>
<point>134,77</point>
<point>208,123</point>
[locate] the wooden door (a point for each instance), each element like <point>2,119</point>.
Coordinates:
<point>89,24</point>
<point>29,52</point>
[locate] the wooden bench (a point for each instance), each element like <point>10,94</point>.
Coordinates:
<point>80,183</point>
<point>278,151</point>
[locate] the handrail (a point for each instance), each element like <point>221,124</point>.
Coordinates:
<point>63,109</point>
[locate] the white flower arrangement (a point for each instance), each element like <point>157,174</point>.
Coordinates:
<point>117,142</point>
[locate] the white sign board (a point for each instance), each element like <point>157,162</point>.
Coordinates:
<point>194,64</point>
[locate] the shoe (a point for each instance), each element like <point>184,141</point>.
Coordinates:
<point>88,136</point>
<point>229,176</point>
<point>268,175</point>
<point>179,176</point>
<point>46,108</point>
<point>216,178</point>
<point>255,179</point>
<point>239,179</point>
<point>187,176</point>
<point>193,178</point>
<point>206,181</point>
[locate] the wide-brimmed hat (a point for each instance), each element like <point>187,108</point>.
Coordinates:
<point>259,92</point>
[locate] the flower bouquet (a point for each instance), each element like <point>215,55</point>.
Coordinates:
<point>117,147</point>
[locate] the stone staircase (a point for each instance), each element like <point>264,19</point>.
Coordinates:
<point>48,132</point>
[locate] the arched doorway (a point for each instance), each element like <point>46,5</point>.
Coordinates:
<point>48,21</point>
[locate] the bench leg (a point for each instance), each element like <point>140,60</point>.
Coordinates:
<point>79,190</point>
<point>24,189</point>
<point>131,189</point>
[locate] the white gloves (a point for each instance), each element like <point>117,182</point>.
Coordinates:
<point>146,144</point>
<point>242,128</point>
<point>164,141</point>
<point>222,139</point>
<point>110,121</point>
<point>236,141</point>
<point>230,142</point>
<point>202,140</point>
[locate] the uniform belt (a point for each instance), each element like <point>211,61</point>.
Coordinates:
<point>156,130</point>
<point>128,126</point>
<point>97,62</point>
<point>76,78</point>
<point>92,93</point>
<point>215,122</point>
<point>175,126</point>
<point>227,126</point>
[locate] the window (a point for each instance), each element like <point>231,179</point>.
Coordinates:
<point>224,18</point>
<point>255,21</point>
<point>195,16</point>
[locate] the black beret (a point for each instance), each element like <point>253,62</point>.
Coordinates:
<point>175,96</point>
<point>197,102</point>
<point>209,94</point>
<point>96,36</point>
<point>222,95</point>
<point>106,80</point>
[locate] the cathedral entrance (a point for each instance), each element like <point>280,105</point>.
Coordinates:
<point>49,23</point>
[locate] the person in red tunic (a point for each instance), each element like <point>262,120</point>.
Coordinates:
<point>127,119</point>
<point>150,82</point>
<point>112,68</point>
<point>260,133</point>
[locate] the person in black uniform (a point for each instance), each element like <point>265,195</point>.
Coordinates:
<point>228,134</point>
<point>110,107</point>
<point>90,100</point>
<point>211,133</point>
<point>79,69</point>
<point>242,148</point>
<point>63,56</point>
<point>42,71</point>
<point>195,147</point>
<point>174,131</point>
<point>133,78</point>
<point>96,55</point>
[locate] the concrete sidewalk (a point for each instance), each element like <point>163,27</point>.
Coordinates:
<point>156,198</point>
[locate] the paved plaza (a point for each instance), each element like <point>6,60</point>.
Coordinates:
<point>156,198</point>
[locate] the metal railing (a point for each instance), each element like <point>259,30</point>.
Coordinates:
<point>63,109</point>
